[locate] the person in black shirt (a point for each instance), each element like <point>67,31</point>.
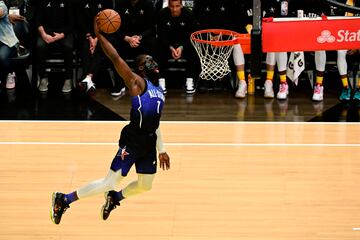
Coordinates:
<point>175,25</point>
<point>137,35</point>
<point>92,56</point>
<point>55,26</point>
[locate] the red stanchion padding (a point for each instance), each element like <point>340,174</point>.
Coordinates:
<point>245,42</point>
<point>282,35</point>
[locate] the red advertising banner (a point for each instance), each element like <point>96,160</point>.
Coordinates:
<point>290,35</point>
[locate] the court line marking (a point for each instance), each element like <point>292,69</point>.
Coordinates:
<point>199,144</point>
<point>356,229</point>
<point>187,122</point>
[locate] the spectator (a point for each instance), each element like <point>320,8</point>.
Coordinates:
<point>55,26</point>
<point>8,46</point>
<point>175,25</point>
<point>92,55</point>
<point>137,28</point>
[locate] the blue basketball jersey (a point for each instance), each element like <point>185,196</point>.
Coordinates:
<point>146,108</point>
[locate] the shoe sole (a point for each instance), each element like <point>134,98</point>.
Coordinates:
<point>103,207</point>
<point>66,91</point>
<point>52,207</point>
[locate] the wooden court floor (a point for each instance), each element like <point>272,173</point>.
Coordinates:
<point>228,180</point>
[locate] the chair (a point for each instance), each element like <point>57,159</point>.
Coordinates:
<point>22,61</point>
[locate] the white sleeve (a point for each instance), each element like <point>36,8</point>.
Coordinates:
<point>159,142</point>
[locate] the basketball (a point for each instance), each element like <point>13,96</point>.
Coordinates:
<point>108,21</point>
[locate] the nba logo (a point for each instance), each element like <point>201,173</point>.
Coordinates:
<point>284,8</point>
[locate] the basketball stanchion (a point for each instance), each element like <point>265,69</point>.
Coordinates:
<point>214,47</point>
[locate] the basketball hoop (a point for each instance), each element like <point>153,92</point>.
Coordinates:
<point>214,47</point>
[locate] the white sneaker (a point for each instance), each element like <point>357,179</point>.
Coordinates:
<point>88,85</point>
<point>10,81</point>
<point>283,91</point>
<point>318,93</point>
<point>242,90</point>
<point>43,86</point>
<point>67,86</point>
<point>119,93</point>
<point>162,85</point>
<point>268,91</point>
<point>189,86</point>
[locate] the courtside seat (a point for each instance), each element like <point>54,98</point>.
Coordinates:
<point>55,64</point>
<point>22,61</point>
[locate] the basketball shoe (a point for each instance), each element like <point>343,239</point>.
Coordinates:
<point>58,207</point>
<point>283,91</point>
<point>268,89</point>
<point>189,86</point>
<point>88,85</point>
<point>356,96</point>
<point>345,94</point>
<point>318,93</point>
<point>242,90</point>
<point>10,81</point>
<point>109,205</point>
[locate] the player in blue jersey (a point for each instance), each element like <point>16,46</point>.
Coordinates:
<point>138,142</point>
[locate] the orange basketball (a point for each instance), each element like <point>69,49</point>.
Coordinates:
<point>108,21</point>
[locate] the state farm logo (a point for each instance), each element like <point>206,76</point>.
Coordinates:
<point>342,36</point>
<point>326,37</point>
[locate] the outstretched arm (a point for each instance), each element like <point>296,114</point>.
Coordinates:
<point>134,82</point>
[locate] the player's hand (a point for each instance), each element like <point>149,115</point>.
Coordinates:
<point>47,38</point>
<point>164,161</point>
<point>58,36</point>
<point>96,28</point>
<point>14,17</point>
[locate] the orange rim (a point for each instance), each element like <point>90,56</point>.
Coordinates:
<point>237,37</point>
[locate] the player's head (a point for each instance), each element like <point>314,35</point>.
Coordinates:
<point>148,68</point>
<point>175,7</point>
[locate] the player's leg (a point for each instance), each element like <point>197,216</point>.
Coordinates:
<point>120,166</point>
<point>113,198</point>
<point>281,59</point>
<point>342,66</point>
<point>145,167</point>
<point>239,61</point>
<point>320,62</point>
<point>61,201</point>
<point>270,67</point>
<point>356,96</point>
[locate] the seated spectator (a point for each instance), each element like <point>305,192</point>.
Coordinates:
<point>137,35</point>
<point>175,25</point>
<point>55,26</point>
<point>8,46</point>
<point>92,56</point>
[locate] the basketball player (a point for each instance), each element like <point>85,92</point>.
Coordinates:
<point>138,140</point>
<point>341,55</point>
<point>276,8</point>
<point>242,23</point>
<point>313,9</point>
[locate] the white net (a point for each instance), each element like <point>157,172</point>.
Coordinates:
<point>213,57</point>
